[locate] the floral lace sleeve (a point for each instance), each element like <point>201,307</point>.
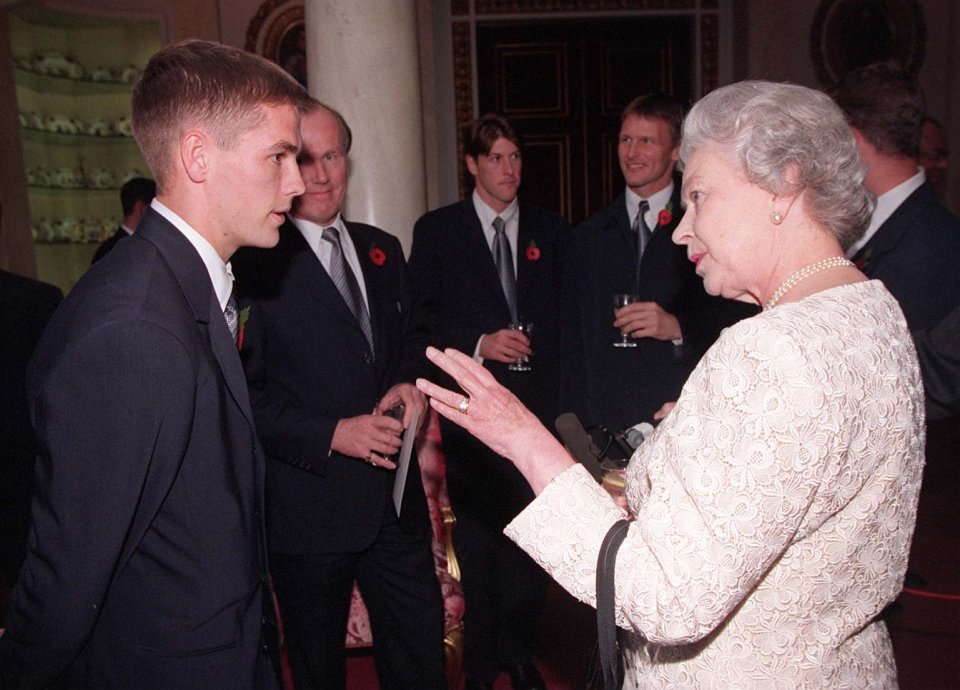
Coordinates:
<point>786,438</point>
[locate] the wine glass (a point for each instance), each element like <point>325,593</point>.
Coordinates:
<point>622,300</point>
<point>525,327</point>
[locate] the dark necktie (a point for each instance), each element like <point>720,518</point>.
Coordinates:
<point>232,315</point>
<point>643,233</point>
<point>347,284</point>
<point>503,258</point>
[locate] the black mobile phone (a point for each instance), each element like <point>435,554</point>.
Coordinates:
<point>396,412</point>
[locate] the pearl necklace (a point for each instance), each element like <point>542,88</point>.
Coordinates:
<point>804,273</point>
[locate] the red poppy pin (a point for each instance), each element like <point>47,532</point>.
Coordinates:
<point>863,260</point>
<point>665,216</point>
<point>377,256</point>
<point>241,324</point>
<point>533,252</point>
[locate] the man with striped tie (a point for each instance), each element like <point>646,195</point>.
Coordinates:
<point>330,349</point>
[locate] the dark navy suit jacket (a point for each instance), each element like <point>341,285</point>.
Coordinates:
<point>309,365</point>
<point>916,253</point>
<point>619,387</point>
<point>459,297</point>
<point>146,562</point>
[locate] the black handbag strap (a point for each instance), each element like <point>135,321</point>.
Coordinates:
<point>606,599</point>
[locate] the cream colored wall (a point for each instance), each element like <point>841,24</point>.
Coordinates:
<point>778,48</point>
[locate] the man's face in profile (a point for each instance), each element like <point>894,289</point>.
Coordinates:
<point>323,164</point>
<point>255,182</point>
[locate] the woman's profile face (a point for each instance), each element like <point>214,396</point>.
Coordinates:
<point>724,226</point>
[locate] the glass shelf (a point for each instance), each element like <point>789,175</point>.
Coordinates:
<point>48,83</point>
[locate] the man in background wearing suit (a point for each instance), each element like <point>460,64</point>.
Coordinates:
<point>627,249</point>
<point>478,266</point>
<point>26,306</point>
<point>913,242</point>
<point>146,561</point>
<point>135,198</point>
<point>329,348</point>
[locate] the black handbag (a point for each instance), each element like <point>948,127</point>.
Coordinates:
<point>606,663</point>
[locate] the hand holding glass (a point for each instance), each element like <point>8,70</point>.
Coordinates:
<point>525,327</point>
<point>619,301</point>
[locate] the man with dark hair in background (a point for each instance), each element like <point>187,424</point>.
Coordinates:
<point>146,563</point>
<point>135,198</point>
<point>913,242</point>
<point>477,267</point>
<point>627,248</point>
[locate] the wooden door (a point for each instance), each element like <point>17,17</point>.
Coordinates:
<point>563,84</point>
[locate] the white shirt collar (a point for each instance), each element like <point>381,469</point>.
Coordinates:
<point>658,201</point>
<point>887,203</point>
<point>221,274</point>
<point>487,214</point>
<point>313,232</point>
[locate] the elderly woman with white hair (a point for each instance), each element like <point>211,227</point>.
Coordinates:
<point>774,505</point>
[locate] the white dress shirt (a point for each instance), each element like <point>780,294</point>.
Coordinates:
<point>511,219</point>
<point>657,201</point>
<point>221,274</point>
<point>313,234</point>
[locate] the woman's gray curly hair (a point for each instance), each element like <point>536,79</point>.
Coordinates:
<point>777,131</point>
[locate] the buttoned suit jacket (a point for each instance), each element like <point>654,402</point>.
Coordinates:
<point>108,244</point>
<point>619,387</point>
<point>459,297</point>
<point>308,366</point>
<point>146,561</point>
<point>916,253</point>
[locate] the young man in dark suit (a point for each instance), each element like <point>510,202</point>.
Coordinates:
<point>135,198</point>
<point>329,348</point>
<point>478,266</point>
<point>627,248</point>
<point>146,565</point>
<point>913,242</point>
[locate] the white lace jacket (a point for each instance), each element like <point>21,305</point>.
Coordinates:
<point>774,506</point>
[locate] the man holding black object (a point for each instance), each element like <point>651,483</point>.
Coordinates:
<point>330,350</point>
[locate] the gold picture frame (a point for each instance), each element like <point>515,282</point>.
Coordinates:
<point>277,32</point>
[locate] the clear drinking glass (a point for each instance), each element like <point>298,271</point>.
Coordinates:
<point>525,327</point>
<point>619,301</point>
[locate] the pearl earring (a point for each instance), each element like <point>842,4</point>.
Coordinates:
<point>777,218</point>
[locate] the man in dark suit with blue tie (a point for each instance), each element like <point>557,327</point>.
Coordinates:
<point>329,349</point>
<point>627,248</point>
<point>146,564</point>
<point>478,266</point>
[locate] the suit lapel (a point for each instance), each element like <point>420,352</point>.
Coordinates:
<point>378,298</point>
<point>194,280</point>
<point>305,268</point>
<point>477,247</point>
<point>888,235</point>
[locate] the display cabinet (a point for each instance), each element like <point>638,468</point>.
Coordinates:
<point>74,76</point>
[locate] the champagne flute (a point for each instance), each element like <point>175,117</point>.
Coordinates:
<point>622,300</point>
<point>525,327</point>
